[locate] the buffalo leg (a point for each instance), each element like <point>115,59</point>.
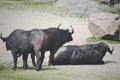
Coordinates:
<point>37,48</point>
<point>38,57</point>
<point>39,65</point>
<point>33,59</point>
<point>42,57</point>
<point>25,57</point>
<point>51,58</point>
<point>14,54</point>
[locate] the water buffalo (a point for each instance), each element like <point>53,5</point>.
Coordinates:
<point>22,42</point>
<point>56,38</point>
<point>85,54</point>
<point>63,55</point>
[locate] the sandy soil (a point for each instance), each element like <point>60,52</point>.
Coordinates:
<point>29,19</point>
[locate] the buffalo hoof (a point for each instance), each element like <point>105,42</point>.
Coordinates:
<point>34,65</point>
<point>51,64</point>
<point>25,67</point>
<point>37,69</point>
<point>14,68</point>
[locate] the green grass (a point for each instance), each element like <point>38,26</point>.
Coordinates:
<point>49,7</point>
<point>5,4</point>
<point>49,73</point>
<point>93,39</point>
<point>20,74</point>
<point>38,5</point>
<point>98,1</point>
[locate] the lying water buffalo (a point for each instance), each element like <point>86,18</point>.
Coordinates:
<point>22,42</point>
<point>85,54</point>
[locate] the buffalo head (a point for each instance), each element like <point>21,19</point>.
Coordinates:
<point>67,34</point>
<point>104,46</point>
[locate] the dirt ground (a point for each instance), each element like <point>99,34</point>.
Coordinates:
<point>29,19</point>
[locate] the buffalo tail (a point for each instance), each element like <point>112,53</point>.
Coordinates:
<point>4,39</point>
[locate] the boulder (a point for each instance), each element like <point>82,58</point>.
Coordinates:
<point>80,8</point>
<point>40,1</point>
<point>105,26</point>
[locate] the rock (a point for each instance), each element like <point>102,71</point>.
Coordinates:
<point>80,8</point>
<point>105,25</point>
<point>40,1</point>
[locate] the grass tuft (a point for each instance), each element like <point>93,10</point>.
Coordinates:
<point>93,39</point>
<point>99,2</point>
<point>55,74</point>
<point>44,7</point>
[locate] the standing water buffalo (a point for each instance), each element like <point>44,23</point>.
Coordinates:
<point>56,38</point>
<point>85,54</point>
<point>51,41</point>
<point>22,42</point>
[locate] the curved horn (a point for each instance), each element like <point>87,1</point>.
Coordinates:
<point>111,51</point>
<point>72,29</point>
<point>59,26</point>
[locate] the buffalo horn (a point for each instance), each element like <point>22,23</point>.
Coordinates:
<point>72,29</point>
<point>59,26</point>
<point>111,51</point>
